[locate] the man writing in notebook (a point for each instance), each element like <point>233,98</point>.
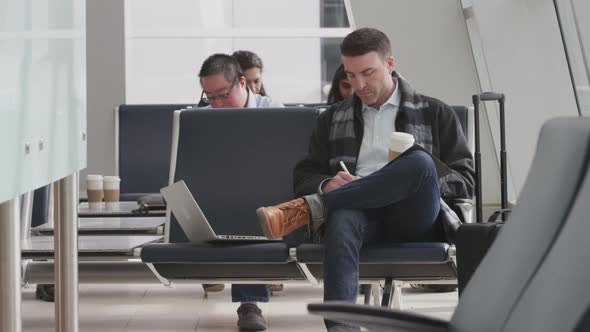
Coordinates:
<point>224,86</point>
<point>396,201</point>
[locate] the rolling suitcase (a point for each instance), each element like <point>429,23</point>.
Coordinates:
<point>474,240</point>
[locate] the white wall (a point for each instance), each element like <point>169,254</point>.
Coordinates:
<point>106,82</point>
<point>523,57</point>
<point>429,43</point>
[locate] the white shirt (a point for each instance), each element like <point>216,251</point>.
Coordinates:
<point>378,126</point>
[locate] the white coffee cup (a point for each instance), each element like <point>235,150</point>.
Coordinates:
<point>111,191</point>
<point>398,143</point>
<point>94,188</point>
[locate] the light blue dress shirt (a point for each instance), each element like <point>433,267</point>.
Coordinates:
<point>378,126</point>
<point>258,101</point>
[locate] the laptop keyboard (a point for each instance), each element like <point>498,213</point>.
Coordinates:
<point>241,237</point>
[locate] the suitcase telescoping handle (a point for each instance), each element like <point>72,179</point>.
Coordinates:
<point>500,98</point>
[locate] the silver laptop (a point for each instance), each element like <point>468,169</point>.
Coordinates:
<point>192,220</point>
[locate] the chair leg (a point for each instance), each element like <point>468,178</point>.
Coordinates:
<point>387,293</point>
<point>376,290</point>
<point>397,295</point>
<point>367,291</point>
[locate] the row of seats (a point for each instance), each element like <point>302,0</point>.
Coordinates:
<point>235,160</point>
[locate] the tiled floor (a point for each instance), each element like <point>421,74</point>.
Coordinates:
<point>105,308</point>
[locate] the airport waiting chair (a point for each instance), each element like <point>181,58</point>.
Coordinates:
<point>310,105</point>
<point>249,164</point>
<point>233,160</point>
<point>40,206</point>
<point>143,147</point>
<point>34,208</point>
<point>144,134</point>
<point>534,277</point>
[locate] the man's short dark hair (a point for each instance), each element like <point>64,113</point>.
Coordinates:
<point>221,64</point>
<point>365,40</point>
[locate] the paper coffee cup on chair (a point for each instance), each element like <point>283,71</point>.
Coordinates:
<point>111,191</point>
<point>94,189</point>
<point>399,142</point>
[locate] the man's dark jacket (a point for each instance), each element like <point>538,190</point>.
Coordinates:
<point>434,125</point>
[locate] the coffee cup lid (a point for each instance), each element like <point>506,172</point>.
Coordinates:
<point>400,142</point>
<point>94,177</point>
<point>112,179</point>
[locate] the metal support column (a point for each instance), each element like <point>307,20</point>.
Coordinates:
<point>66,255</point>
<point>10,293</point>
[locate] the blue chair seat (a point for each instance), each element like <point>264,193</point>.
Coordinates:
<point>225,262</point>
<point>401,261</point>
<point>385,253</point>
<point>222,253</point>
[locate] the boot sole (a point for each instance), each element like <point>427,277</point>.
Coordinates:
<point>264,224</point>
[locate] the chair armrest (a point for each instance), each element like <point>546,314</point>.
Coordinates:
<point>464,208</point>
<point>377,318</point>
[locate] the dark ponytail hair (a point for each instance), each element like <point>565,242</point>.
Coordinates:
<point>248,60</point>
<point>334,96</point>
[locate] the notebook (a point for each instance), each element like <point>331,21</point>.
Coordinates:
<point>442,169</point>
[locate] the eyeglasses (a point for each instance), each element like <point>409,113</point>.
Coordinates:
<point>221,96</point>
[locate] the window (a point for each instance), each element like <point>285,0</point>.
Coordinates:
<point>166,42</point>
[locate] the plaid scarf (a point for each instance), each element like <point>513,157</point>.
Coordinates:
<point>412,118</point>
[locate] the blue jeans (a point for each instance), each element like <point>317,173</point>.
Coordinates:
<point>398,203</point>
<point>249,293</point>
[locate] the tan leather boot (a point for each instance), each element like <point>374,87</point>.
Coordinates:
<point>280,220</point>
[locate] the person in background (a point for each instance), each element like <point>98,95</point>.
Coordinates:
<point>252,68</point>
<point>341,88</point>
<point>225,86</point>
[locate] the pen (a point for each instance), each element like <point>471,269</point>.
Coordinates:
<point>344,167</point>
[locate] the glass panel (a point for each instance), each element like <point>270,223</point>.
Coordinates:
<point>166,70</point>
<point>296,67</point>
<point>276,14</point>
<point>330,62</point>
<point>156,16</point>
<point>574,17</point>
<point>42,93</point>
<point>289,77</point>
<point>27,15</point>
<point>333,14</point>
